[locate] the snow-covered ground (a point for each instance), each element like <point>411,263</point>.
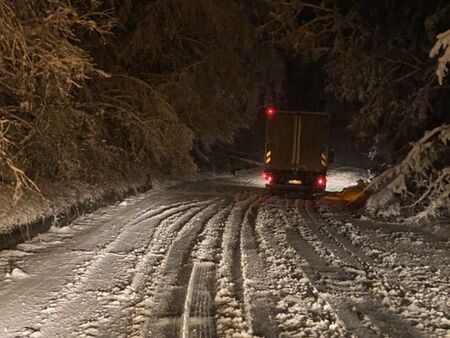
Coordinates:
<point>223,258</point>
<point>344,177</point>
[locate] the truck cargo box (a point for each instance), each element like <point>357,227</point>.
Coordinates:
<point>297,149</point>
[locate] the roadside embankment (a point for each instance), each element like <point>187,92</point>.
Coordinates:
<point>59,204</point>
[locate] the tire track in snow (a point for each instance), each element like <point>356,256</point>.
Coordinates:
<point>329,278</point>
<point>301,311</point>
<point>96,280</point>
<point>149,268</point>
<point>129,300</point>
<point>199,308</point>
<point>198,315</point>
<point>358,294</point>
<point>260,301</point>
<point>232,318</point>
<point>333,241</point>
<point>342,247</point>
<point>407,302</point>
<point>161,310</point>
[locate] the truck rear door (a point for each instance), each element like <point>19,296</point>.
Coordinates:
<point>297,141</point>
<point>312,144</point>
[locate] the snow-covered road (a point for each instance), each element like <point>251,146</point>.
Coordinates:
<point>225,259</point>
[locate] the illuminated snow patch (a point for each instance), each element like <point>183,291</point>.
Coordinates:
<point>250,178</point>
<point>340,178</point>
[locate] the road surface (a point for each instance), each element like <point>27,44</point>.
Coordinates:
<point>225,259</point>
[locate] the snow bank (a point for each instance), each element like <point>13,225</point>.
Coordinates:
<point>57,205</point>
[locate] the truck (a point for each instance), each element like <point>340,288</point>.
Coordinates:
<point>296,150</point>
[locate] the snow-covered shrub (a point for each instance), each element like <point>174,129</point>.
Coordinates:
<point>43,70</point>
<point>443,41</point>
<point>420,184</point>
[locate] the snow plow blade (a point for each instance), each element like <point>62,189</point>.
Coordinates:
<point>350,198</point>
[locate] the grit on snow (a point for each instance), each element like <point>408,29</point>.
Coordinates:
<point>224,258</point>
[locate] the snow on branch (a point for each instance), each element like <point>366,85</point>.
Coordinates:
<point>421,182</point>
<point>443,41</point>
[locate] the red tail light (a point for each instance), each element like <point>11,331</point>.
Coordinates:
<point>267,176</point>
<point>270,111</point>
<point>321,181</point>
